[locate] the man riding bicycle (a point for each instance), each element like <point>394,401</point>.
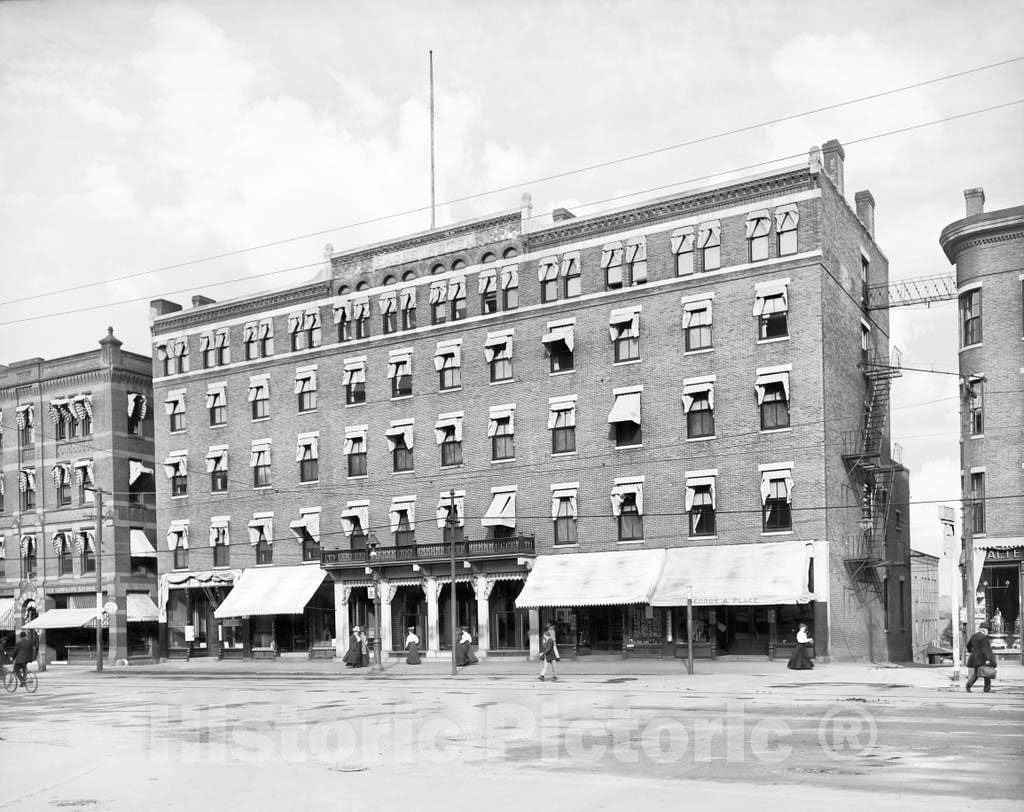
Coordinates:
<point>22,656</point>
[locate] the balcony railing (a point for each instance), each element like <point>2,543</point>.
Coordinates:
<point>439,551</point>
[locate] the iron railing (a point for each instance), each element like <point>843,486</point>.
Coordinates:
<point>435,551</point>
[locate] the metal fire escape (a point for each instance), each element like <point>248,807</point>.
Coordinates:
<point>871,473</point>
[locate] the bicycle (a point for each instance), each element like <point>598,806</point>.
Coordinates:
<point>11,681</point>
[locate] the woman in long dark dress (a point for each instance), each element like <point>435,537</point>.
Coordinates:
<point>353,656</point>
<point>800,659</point>
<point>364,649</point>
<point>412,647</point>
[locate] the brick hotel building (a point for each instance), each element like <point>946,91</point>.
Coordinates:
<point>605,415</point>
<point>67,425</point>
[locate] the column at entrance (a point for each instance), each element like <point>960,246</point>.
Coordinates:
<point>117,640</point>
<point>534,634</point>
<point>387,594</point>
<point>482,587</point>
<point>341,628</point>
<point>430,589</point>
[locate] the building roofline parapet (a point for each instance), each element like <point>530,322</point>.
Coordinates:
<point>255,303</point>
<point>981,228</point>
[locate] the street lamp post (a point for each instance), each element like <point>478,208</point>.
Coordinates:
<point>372,546</point>
<point>453,523</point>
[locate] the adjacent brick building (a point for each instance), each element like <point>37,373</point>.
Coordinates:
<point>987,249</point>
<point>686,393</point>
<point>70,424</point>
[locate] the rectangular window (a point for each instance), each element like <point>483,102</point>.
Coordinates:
<point>978,503</point>
<point>976,406</point>
<point>777,509</point>
<point>439,312</point>
<point>571,273</point>
<point>682,249</point>
<point>307,455</point>
<point>709,241</point>
<point>179,485</point>
<point>407,307</point>
<point>697,326</point>
<point>786,220</point>
<point>627,347</point>
<point>498,352</point>
<point>64,488</point>
<point>401,454</point>
<point>636,260</point>
<point>626,418</point>
<point>970,318</point>
<point>628,433</point>
<point>565,520</point>
<point>405,533</point>
<point>64,561</point>
<point>221,555</point>
<point>307,401</point>
<point>264,550</point>
<point>611,262</point>
<point>774,406</point>
<point>488,283</point>
<point>563,429</point>
<point>865,268</point>
<point>177,421</point>
<point>355,452</point>
<point>389,322</point>
<point>502,431</point>
<point>261,405</point>
<point>344,323</point>
<point>354,378</point>
<point>547,274</point>
<point>624,329</point>
<point>759,226</point>
<point>400,372</point>
<point>631,522</point>
<point>218,481</point>
<point>309,470</point>
<point>700,415</point>
<point>451,448</point>
<point>559,342</point>
<point>28,563</point>
<point>180,558</point>
<point>218,415</point>
<point>457,298</point>
<point>701,509</point>
<point>259,461</point>
<point>447,362</point>
<point>355,393</point>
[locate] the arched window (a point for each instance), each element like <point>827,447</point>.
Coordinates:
<point>342,289</point>
<point>458,265</point>
<point>389,280</point>
<point>408,275</point>
<point>488,257</point>
<point>439,268</point>
<point>510,252</point>
<point>362,286</point>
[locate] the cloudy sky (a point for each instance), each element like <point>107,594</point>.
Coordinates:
<point>136,136</point>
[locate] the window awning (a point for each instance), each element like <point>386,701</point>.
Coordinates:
<point>626,408</point>
<point>697,313</point>
<point>611,255</point>
<point>562,414</point>
<point>399,506</point>
<point>355,372</point>
<point>61,473</point>
<point>570,263</point>
<point>307,523</point>
<point>220,531</point>
<point>444,503</point>
<point>624,323</point>
<point>216,395</point>
<point>502,512</point>
<point>137,406</point>
<point>82,405</point>
<point>403,430</point>
<point>695,482</point>
<point>623,489</point>
<point>565,333</point>
<point>693,388</point>
<point>8,614</point>
<point>355,515</point>
<point>557,495</point>
<point>59,409</point>
<point>757,574</point>
<point>759,223</point>
<point>175,465</point>
<point>271,591</point>
<point>592,579</point>
<point>259,455</point>
<point>354,435</point>
<point>177,534</point>
<point>261,528</point>
<point>783,475</point>
<point>547,269</point>
<point>501,414</point>
<point>487,282</point>
<point>307,447</point>
<point>771,297</point>
<point>787,217</point>
<point>141,608</point>
<point>64,619</point>
<point>259,387</point>
<point>438,292</point>
<point>457,287</point>
<point>509,277</point>
<point>446,422</point>
<point>682,240</point>
<point>388,303</point>
<point>141,546</point>
<point>399,363</point>
<point>305,380</point>
<point>709,234</point>
<point>217,459</point>
<point>498,345</point>
<point>765,380</point>
<point>175,402</point>
<point>136,469</point>
<point>447,355</point>
<point>407,298</point>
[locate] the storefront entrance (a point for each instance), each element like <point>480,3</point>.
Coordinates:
<point>465,606</point>
<point>1001,587</point>
<point>408,608</point>
<point>509,627</point>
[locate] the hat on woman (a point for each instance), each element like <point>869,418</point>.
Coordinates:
<point>985,625</point>
<point>357,628</point>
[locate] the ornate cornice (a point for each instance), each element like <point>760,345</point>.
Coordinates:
<point>426,237</point>
<point>255,304</point>
<point>671,208</point>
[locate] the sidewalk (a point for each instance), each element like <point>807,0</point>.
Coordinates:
<point>751,674</point>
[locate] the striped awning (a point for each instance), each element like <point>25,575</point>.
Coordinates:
<point>592,579</point>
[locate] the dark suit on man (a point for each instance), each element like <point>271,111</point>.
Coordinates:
<point>980,653</point>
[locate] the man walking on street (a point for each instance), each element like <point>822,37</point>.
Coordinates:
<point>549,654</point>
<point>22,657</point>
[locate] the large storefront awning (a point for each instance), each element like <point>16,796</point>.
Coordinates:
<point>64,619</point>
<point>592,579</point>
<point>141,608</point>
<point>760,574</point>
<point>272,591</point>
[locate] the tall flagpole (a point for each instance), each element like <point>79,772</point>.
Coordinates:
<point>432,213</point>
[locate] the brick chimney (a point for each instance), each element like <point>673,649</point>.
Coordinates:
<point>161,307</point>
<point>199,301</point>
<point>560,214</point>
<point>975,200</point>
<point>834,156</point>
<point>110,349</point>
<point>866,209</point>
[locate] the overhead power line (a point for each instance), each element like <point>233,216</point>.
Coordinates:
<point>544,179</point>
<point>649,190</point>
